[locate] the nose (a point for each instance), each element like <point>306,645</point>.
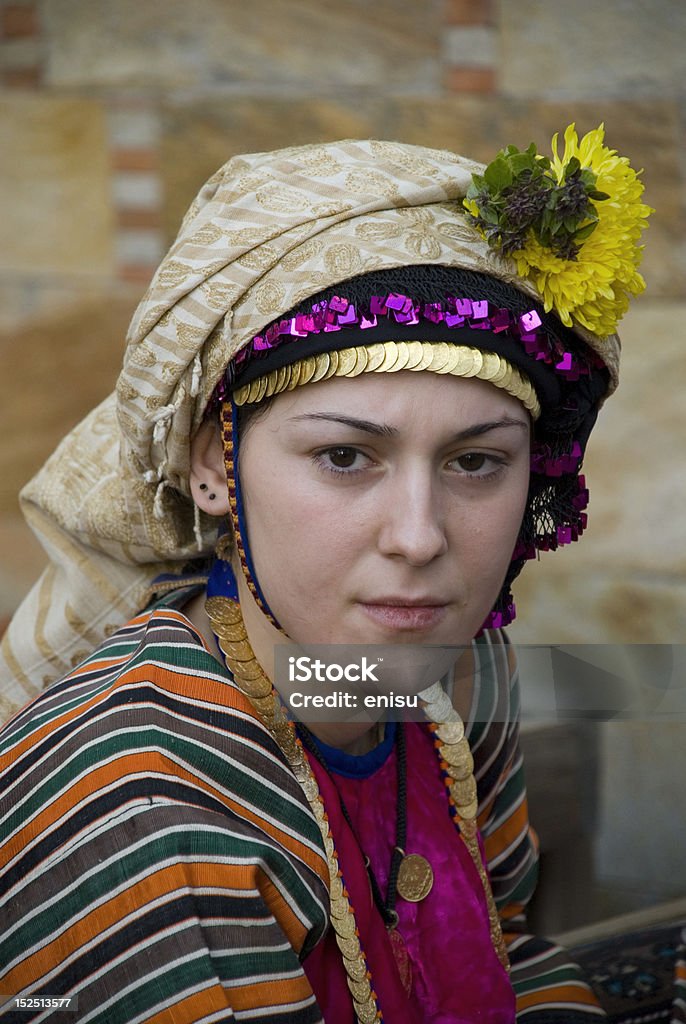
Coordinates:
<point>411,518</point>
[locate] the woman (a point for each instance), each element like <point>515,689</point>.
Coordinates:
<point>176,846</point>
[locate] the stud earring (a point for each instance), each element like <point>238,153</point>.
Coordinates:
<point>211,497</point>
<point>203,487</point>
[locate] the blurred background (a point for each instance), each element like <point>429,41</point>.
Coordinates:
<point>114,112</point>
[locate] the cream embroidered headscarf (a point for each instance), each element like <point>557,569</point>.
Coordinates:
<point>111,506</point>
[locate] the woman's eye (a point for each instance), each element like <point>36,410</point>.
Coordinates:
<point>479,464</point>
<point>471,462</point>
<point>341,459</point>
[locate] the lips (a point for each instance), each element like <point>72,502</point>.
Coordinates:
<point>396,613</point>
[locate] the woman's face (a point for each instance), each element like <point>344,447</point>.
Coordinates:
<point>385,508</point>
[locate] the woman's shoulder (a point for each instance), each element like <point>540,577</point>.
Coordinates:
<point>150,704</point>
<point>150,718</point>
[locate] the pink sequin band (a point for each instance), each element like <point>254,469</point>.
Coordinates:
<point>339,313</point>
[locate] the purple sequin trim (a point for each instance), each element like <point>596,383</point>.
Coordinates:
<point>476,314</point>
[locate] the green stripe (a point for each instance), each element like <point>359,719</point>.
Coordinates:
<point>149,857</point>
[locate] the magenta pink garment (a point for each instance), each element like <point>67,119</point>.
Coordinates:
<point>457,978</point>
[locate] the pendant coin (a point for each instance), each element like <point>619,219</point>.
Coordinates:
<point>415,878</point>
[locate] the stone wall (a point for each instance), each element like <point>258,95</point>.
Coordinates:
<point>114,113</point>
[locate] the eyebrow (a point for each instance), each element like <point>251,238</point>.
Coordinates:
<point>384,430</point>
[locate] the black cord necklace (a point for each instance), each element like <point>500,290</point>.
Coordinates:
<point>386,907</point>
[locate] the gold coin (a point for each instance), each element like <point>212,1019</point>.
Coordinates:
<point>468,830</point>
<point>240,396</point>
<point>282,375</point>
<point>263,388</point>
<point>491,365</point>
<point>307,368</point>
<point>450,732</point>
<point>347,360</point>
<point>233,634</point>
<point>504,372</point>
<point>466,366</point>
<point>415,878</point>
<point>361,361</point>
<point>440,709</point>
<point>461,771</point>
<point>224,549</point>
<point>403,356</point>
<point>427,355</point>
<point>463,791</point>
<point>355,968</point>
<point>333,364</point>
<point>456,752</point>
<point>311,790</point>
<point>344,926</point>
<point>350,948</point>
<point>376,354</point>
<point>260,687</point>
<point>441,357</point>
<point>264,707</point>
<point>478,362</point>
<point>390,358</point>
<point>340,907</point>
<point>240,650</point>
<point>366,1012</point>
<point>415,354</point>
<point>224,610</point>
<point>322,363</point>
<point>336,888</point>
<point>467,811</point>
<point>360,989</point>
<point>293,376</point>
<point>317,808</point>
<point>329,846</point>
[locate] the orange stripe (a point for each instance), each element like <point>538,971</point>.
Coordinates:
<point>557,994</point>
<point>507,832</point>
<point>175,878</point>
<point>102,776</point>
<point>212,1000</point>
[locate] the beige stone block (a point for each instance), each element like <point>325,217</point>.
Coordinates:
<point>199,138</point>
<point>588,50</point>
<point>308,46</point>
<point>636,466</point>
<point>55,369</point>
<point>54,177</point>
<point>563,601</point>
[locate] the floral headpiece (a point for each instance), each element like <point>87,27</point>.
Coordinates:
<point>571,224</point>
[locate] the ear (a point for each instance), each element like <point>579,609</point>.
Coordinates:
<point>208,475</point>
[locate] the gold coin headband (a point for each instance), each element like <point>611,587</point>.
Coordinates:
<point>391,357</point>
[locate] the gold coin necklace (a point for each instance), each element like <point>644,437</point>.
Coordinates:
<point>410,877</point>
<point>456,764</point>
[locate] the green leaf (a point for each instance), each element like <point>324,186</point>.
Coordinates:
<point>572,167</point>
<point>585,232</point>
<point>520,162</point>
<point>498,174</point>
<point>598,196</point>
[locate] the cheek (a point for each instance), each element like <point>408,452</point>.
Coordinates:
<point>295,538</point>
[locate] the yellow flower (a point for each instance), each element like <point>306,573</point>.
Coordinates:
<point>595,288</point>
